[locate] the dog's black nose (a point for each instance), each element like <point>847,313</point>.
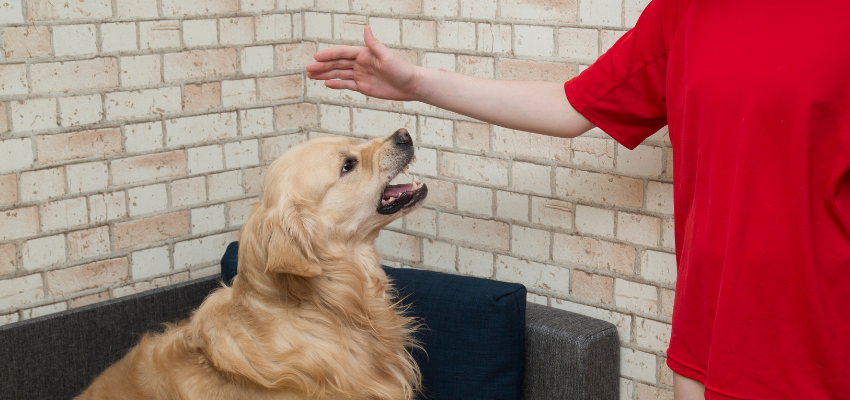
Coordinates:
<point>402,138</point>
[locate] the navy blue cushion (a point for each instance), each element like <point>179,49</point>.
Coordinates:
<point>474,340</point>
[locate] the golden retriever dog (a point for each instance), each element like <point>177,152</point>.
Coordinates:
<point>311,314</point>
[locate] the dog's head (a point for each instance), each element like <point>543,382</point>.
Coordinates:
<point>333,191</point>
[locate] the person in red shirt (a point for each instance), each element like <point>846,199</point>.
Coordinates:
<point>756,95</point>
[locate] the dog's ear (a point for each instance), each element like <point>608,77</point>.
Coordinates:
<point>291,240</point>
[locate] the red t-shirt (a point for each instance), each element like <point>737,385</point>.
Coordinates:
<point>757,98</point>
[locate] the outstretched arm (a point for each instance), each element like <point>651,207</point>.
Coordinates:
<point>377,71</point>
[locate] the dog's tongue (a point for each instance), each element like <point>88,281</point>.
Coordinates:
<point>396,190</point>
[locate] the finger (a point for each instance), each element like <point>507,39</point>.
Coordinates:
<point>333,74</point>
<point>341,84</point>
<point>330,65</point>
<point>373,44</point>
<point>338,52</point>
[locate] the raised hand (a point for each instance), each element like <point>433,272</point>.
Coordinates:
<point>373,70</point>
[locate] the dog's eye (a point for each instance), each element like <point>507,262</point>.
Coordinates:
<point>349,165</point>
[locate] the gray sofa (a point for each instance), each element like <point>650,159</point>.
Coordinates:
<point>567,356</point>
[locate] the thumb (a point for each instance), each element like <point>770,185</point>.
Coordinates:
<point>373,44</point>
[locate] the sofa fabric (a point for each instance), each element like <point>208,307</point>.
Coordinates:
<point>474,334</point>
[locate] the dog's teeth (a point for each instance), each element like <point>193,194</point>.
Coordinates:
<point>405,170</point>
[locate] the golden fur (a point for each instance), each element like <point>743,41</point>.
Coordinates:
<point>311,314</point>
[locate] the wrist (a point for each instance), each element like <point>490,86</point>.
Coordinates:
<point>421,88</point>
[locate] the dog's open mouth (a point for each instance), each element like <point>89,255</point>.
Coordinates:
<point>404,195</point>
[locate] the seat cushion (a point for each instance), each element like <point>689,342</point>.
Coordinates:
<point>474,335</point>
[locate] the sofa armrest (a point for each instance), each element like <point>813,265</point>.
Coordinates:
<point>569,356</point>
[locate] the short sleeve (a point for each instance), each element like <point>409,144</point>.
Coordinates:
<point>624,91</point>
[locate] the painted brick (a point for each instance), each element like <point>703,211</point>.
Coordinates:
<point>88,243</point>
<point>236,30</point>
<point>33,115</point>
<point>668,234</point>
<point>475,262</point>
<point>205,159</point>
<point>10,12</point>
<point>439,60</point>
<point>148,168</point>
<point>295,116</point>
<point>90,299</point>
<point>642,161</point>
<point>440,8</point>
<point>201,128</point>
<point>623,322</point>
<point>147,199</point>
<point>225,185</point>
<point>20,291</point>
<point>107,207</point>
<point>296,56</point>
<point>18,223</point>
<point>281,87</point>
<point>633,10</point>
<point>426,162</point>
<point>4,120</point>
<point>149,230</point>
<point>639,229</point>
<point>578,43</point>
<point>388,7</point>
<point>436,131</point>
<point>149,263</point>
<point>419,33</point>
<point>439,255</point>
<point>97,73</point>
<point>241,154</point>
<point>667,301</point>
<point>535,41</point>
<point>200,251</point>
<point>188,191</point>
<point>141,103</point>
<point>388,30</point>
<point>64,214</point>
<point>636,296</point>
<point>141,71</point>
<point>335,5</point>
<point>207,219</point>
<point>423,220</point>
<point>512,205</point>
<point>637,364</point>
<point>80,110</point>
<point>398,245</point>
<point>257,59</point>
<point>533,275</point>
<point>553,213</point>
<point>274,27</point>
<point>202,96</point>
<point>8,258</point>
<point>658,266</point>
<point>491,234</point>
<point>119,36</point>
<point>481,67</point>
<point>241,92</point>
<point>594,253</point>
<point>608,38</point>
<point>27,41</point>
<point>195,7</point>
<point>528,242</point>
<point>143,137</point>
<point>257,121</point>
<point>646,392</point>
<point>653,335</point>
<point>13,79</point>
<point>494,38</point>
<point>536,299</point>
<point>43,252</point>
<point>239,210</point>
<point>350,27</point>
<point>43,10</point>
<point>593,152</point>
<point>87,276</point>
<point>593,287</point>
<point>595,187</point>
<point>532,178</point>
<point>546,10</point>
<point>668,168</point>
<point>271,148</point>
<point>478,8</point>
<point>8,189</point>
<point>317,25</point>
<point>335,118</point>
<point>159,34</point>
<point>87,177</point>
<point>200,32</point>
<point>601,12</point>
<point>526,70</point>
<point>440,193</point>
<point>594,221</point>
<point>193,64</point>
<point>475,168</point>
<point>42,184</point>
<point>659,197</point>
<point>74,40</point>
<point>473,135</point>
<point>137,8</point>
<point>381,123</point>
<point>456,35</point>
<point>475,200</point>
<point>15,154</point>
<point>627,389</point>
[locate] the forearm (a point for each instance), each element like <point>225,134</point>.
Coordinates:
<point>539,107</point>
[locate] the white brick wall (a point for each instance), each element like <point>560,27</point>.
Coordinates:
<point>135,140</point>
